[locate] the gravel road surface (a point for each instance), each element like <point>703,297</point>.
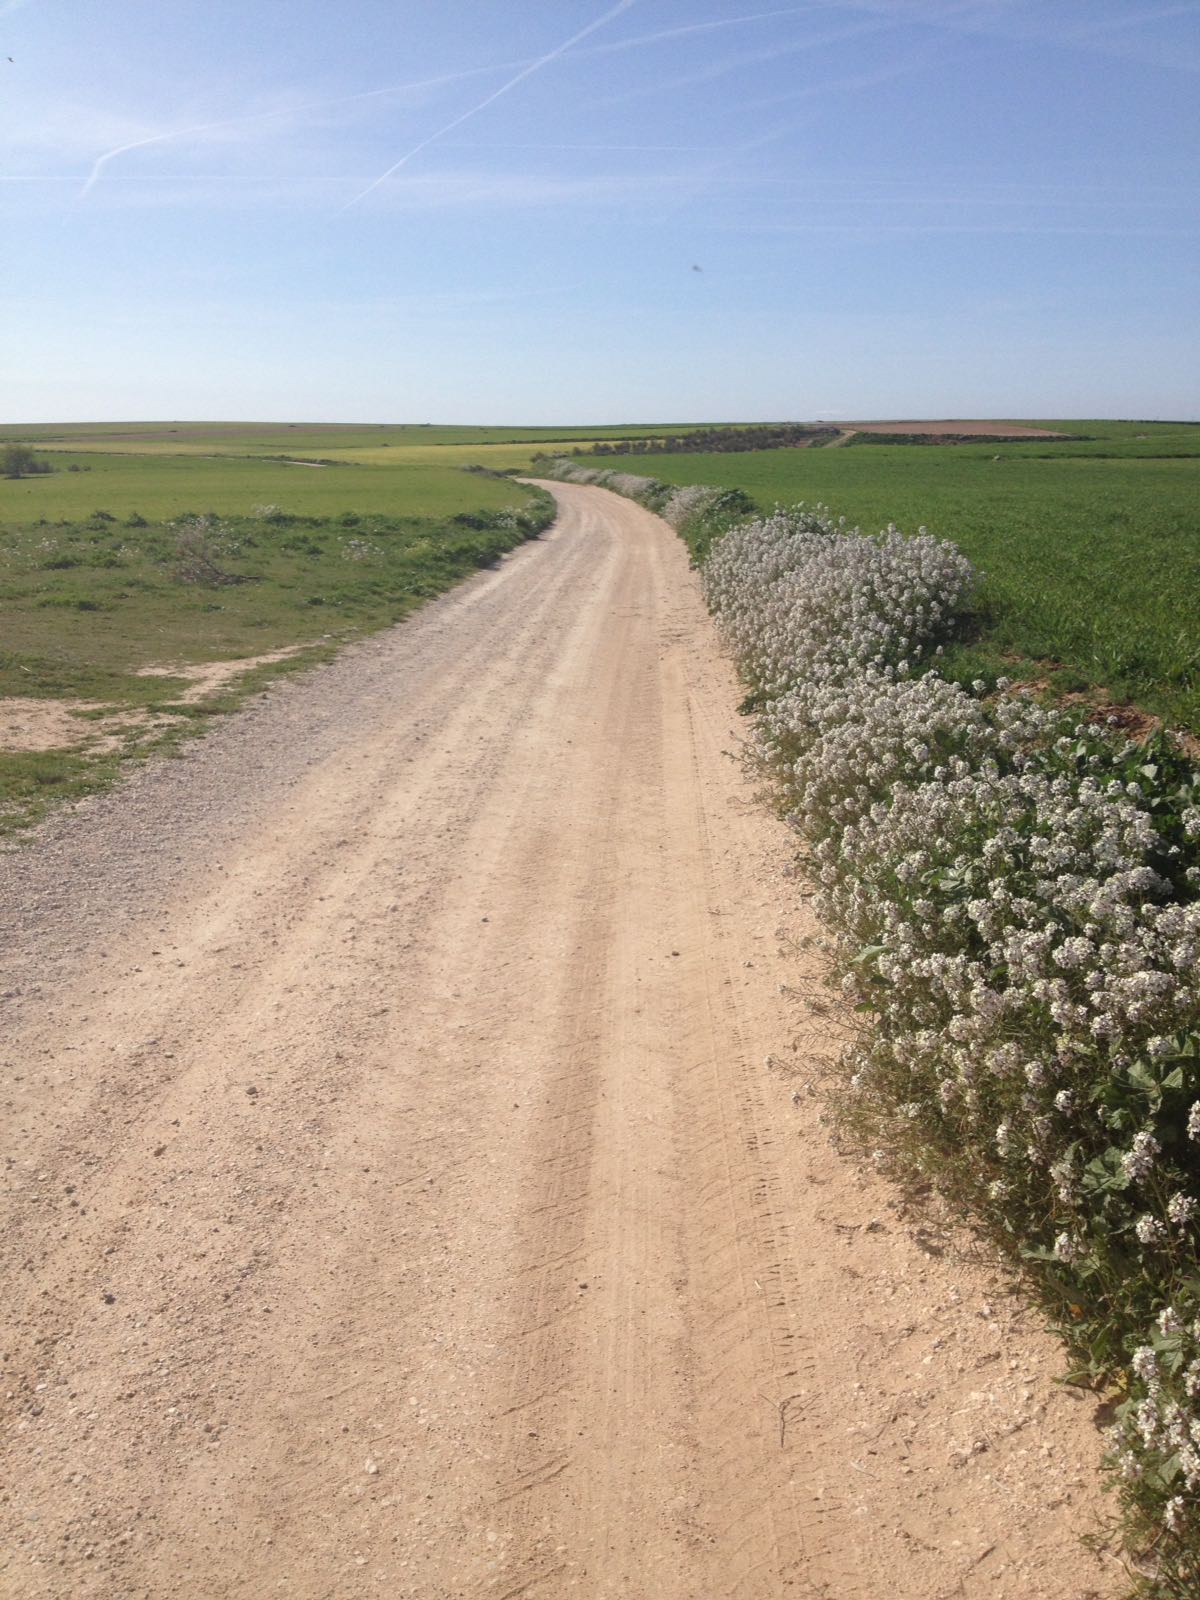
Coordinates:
<point>413,1183</point>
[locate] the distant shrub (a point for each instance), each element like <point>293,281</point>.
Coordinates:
<point>19,461</point>
<point>201,543</point>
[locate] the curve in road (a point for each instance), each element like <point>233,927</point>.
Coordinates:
<point>397,1200</point>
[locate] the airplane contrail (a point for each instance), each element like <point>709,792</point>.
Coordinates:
<point>526,68</point>
<point>283,111</point>
<point>689,28</point>
<point>526,72</point>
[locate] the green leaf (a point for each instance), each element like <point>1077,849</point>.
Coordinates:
<point>1106,1174</point>
<point>1142,1077</point>
<point>868,953</point>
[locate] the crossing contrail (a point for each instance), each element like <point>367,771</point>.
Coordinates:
<point>526,69</point>
<point>525,72</point>
<point>282,111</point>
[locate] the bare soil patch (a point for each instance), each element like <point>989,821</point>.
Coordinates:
<point>210,677</point>
<point>29,725</point>
<point>983,429</point>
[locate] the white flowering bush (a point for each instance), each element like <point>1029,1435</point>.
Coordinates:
<point>629,484</point>
<point>810,603</point>
<point>1015,900</point>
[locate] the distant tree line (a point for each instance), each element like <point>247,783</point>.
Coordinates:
<point>770,436</point>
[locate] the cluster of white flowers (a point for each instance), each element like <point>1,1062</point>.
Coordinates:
<point>208,533</point>
<point>630,484</point>
<point>358,549</point>
<point>694,503</point>
<point>1157,1434</point>
<point>696,511</point>
<point>1014,898</point>
<point>810,604</point>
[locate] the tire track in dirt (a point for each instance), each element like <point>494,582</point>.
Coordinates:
<point>396,1199</point>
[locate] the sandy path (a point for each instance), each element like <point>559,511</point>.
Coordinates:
<point>397,1199</point>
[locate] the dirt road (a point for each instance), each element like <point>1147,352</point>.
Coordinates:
<point>399,1197</point>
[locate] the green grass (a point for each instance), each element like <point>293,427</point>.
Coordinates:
<point>94,585</point>
<point>91,599</point>
<point>304,438</point>
<point>163,469</point>
<point>1090,550</point>
<point>161,487</point>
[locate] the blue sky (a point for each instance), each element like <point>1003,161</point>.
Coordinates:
<point>493,210</point>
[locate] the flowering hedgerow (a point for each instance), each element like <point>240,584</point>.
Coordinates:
<point>1016,909</point>
<point>698,511</point>
<point>1015,902</point>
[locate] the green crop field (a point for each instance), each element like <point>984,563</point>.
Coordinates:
<point>139,550</point>
<point>302,438</point>
<point>160,487</point>
<point>382,445</point>
<point>159,470</point>
<point>1089,548</point>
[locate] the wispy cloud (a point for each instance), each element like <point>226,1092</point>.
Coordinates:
<point>1139,19</point>
<point>712,70</point>
<point>102,161</point>
<point>862,192</point>
<point>474,192</point>
<point>917,229</point>
<point>734,154</point>
<point>251,119</point>
<point>892,190</point>
<point>505,88</point>
<point>1117,36</point>
<point>537,144</point>
<point>687,30</point>
<point>871,78</point>
<point>517,190</point>
<point>872,19</point>
<point>1017,21</point>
